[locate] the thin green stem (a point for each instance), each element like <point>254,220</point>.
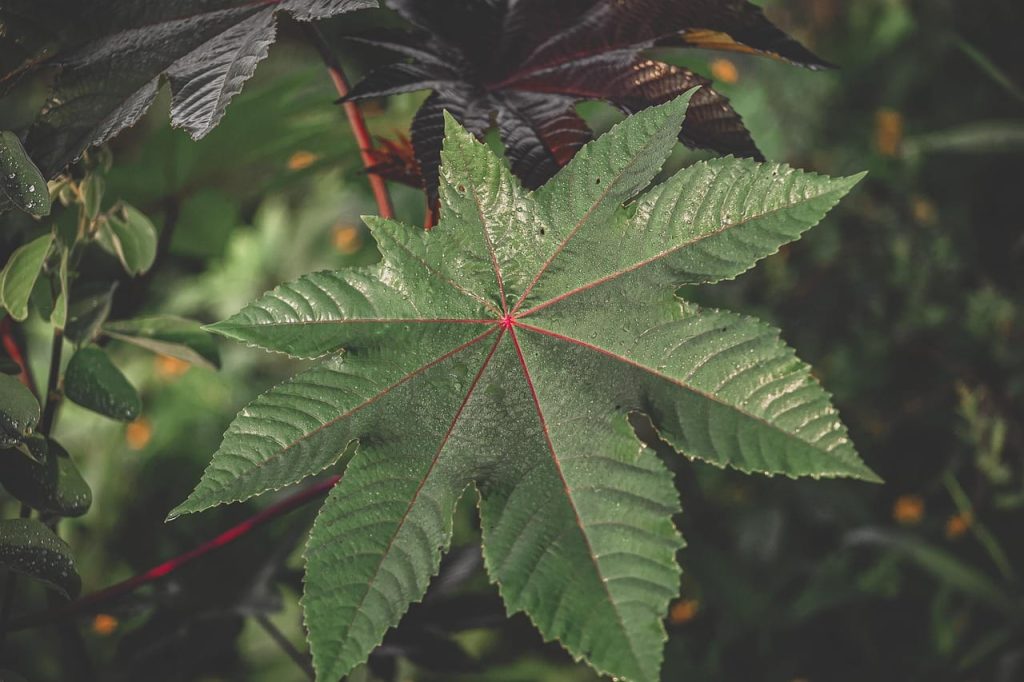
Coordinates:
<point>989,68</point>
<point>977,528</point>
<point>76,655</point>
<point>53,396</point>
<point>302,660</point>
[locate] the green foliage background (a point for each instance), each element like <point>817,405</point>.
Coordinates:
<point>908,300</point>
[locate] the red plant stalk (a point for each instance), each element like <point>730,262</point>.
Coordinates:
<point>356,121</point>
<point>90,603</point>
<point>14,351</point>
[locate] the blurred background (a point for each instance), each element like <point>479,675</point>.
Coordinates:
<point>908,301</point>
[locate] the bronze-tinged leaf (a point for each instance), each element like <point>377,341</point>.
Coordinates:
<point>636,84</point>
<point>395,160</point>
<point>522,66</point>
<point>733,25</point>
<point>111,59</point>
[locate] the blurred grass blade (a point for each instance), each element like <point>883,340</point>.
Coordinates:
<point>981,137</point>
<point>938,562</point>
<point>990,68</point>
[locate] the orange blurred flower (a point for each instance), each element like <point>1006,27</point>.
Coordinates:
<point>888,132</point>
<point>924,210</point>
<point>138,433</point>
<point>170,368</point>
<point>347,239</point>
<point>301,160</point>
<point>683,611</point>
<point>724,70</point>
<point>908,509</point>
<point>104,624</point>
<point>957,525</point>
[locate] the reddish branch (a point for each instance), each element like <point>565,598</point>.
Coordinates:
<point>91,602</point>
<point>356,121</point>
<point>13,350</point>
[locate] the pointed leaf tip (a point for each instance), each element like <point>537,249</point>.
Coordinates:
<point>219,328</point>
<point>442,394</point>
<point>678,104</point>
<point>868,475</point>
<point>451,124</point>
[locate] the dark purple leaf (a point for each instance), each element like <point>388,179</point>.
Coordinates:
<point>523,65</point>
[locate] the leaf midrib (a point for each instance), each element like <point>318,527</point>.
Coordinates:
<point>423,482</point>
<point>448,280</point>
<point>569,496</point>
<point>582,222</point>
<point>257,467</point>
<point>221,327</point>
<point>668,252</point>
<point>677,382</point>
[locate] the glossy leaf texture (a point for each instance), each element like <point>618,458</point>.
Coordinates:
<point>110,66</point>
<point>504,352</point>
<point>19,411</point>
<point>51,485</point>
<point>20,180</point>
<point>524,64</point>
<point>28,547</point>
<point>95,383</point>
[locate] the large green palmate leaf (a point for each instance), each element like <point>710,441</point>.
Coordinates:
<point>504,351</point>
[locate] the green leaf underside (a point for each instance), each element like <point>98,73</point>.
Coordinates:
<point>168,335</point>
<point>30,548</point>
<point>20,274</point>
<point>134,240</point>
<point>504,350</point>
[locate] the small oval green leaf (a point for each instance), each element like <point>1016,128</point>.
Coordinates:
<point>94,382</point>
<point>20,274</point>
<point>92,195</point>
<point>168,335</point>
<point>87,311</point>
<point>20,180</point>
<point>19,411</point>
<point>53,486</point>
<point>30,548</point>
<point>133,238</point>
